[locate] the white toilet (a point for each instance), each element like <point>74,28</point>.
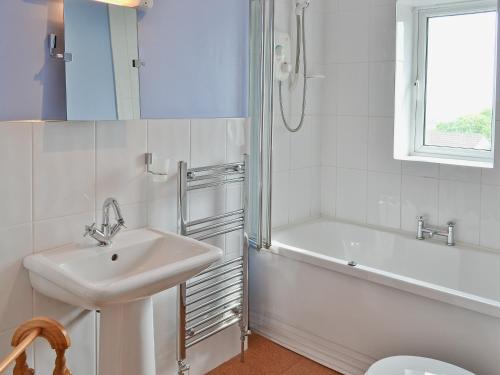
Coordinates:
<point>406,365</point>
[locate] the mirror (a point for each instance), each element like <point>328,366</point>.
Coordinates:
<point>102,80</point>
<point>446,81</point>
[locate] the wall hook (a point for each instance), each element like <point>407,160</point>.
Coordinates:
<point>149,162</point>
<point>67,57</point>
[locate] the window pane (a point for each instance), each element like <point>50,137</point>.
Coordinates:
<point>460,80</point>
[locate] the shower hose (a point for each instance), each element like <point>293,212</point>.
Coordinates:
<point>301,37</point>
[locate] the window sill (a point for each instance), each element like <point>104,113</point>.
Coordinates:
<point>478,163</point>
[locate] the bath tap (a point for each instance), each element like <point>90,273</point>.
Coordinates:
<point>107,232</point>
<point>422,231</point>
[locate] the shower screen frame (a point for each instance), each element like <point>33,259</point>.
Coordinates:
<point>261,117</point>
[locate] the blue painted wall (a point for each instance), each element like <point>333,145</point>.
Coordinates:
<point>196,55</point>
<point>32,85</point>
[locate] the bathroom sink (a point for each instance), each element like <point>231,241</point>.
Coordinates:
<point>140,263</point>
<point>119,280</point>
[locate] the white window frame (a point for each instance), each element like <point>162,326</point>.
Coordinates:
<point>418,148</point>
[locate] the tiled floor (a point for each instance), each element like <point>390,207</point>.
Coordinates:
<point>267,358</point>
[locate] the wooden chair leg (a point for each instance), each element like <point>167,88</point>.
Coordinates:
<point>21,367</point>
<point>61,368</point>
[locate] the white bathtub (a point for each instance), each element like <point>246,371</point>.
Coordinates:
<point>404,296</point>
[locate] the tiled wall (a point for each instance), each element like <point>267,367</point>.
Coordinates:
<point>360,180</point>
<point>54,179</point>
<point>353,44</point>
<point>297,156</point>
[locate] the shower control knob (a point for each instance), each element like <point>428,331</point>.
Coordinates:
<point>286,68</point>
<point>279,51</point>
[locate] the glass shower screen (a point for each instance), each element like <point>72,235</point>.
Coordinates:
<point>261,110</point>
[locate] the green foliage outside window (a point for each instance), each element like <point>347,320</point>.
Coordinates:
<point>471,124</point>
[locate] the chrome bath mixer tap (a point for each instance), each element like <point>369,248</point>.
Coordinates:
<point>422,231</point>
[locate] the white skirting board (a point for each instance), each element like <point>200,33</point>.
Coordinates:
<point>318,349</point>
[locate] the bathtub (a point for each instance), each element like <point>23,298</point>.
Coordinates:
<point>347,295</point>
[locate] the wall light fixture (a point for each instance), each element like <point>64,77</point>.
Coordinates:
<point>130,3</point>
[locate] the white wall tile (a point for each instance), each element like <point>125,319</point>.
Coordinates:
<point>315,191</point>
<point>383,33</point>
<point>330,6</point>
<point>15,288</point>
<point>61,231</point>
<point>301,144</point>
<point>353,30</point>
<point>491,176</point>
<point>314,34</point>
<point>168,140</point>
<point>282,15</point>
<point>315,124</point>
<point>351,194</point>
<point>121,171</point>
<point>63,169</point>
<point>384,199</point>
<point>332,37</point>
<point>304,144</point>
<point>281,145</point>
<point>380,146</point>
<point>16,172</point>
<point>280,198</point>
<point>382,89</point>
<point>330,90</point>
<point>300,193</point>
<point>419,197</point>
<point>376,3</point>
<point>415,168</point>
<point>328,191</point>
<point>208,142</point>
<point>354,5</point>
<point>135,214</point>
<point>352,142</point>
<point>458,173</point>
<point>238,135</point>
<point>460,202</point>
<point>490,216</point>
<point>353,89</point>
<point>329,141</point>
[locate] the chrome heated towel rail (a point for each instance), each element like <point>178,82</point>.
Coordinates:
<point>217,298</point>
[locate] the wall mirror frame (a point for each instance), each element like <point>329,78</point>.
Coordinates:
<point>445,81</point>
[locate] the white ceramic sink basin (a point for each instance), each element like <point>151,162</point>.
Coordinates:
<point>140,263</point>
<point>119,281</point>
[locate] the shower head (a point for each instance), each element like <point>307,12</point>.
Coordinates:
<point>301,5</point>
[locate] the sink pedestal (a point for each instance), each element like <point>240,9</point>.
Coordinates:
<point>127,339</point>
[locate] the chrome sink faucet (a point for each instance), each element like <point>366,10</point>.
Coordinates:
<point>422,231</point>
<point>107,232</point>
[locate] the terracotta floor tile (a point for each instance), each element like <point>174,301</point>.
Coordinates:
<point>308,367</point>
<point>265,357</point>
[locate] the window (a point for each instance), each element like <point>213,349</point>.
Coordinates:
<point>453,69</point>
